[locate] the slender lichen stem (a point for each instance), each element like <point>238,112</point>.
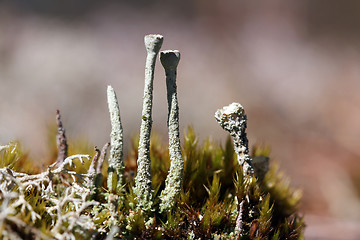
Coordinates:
<point>170,59</point>
<point>143,185</point>
<point>232,118</point>
<point>92,168</point>
<point>61,140</point>
<point>102,157</point>
<point>116,163</point>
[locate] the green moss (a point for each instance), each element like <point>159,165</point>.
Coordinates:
<point>207,207</point>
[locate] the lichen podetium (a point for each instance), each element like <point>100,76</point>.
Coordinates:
<point>170,59</point>
<point>116,162</point>
<point>143,184</point>
<point>232,118</point>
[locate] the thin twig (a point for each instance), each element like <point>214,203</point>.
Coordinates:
<point>92,169</point>
<point>102,158</point>
<point>61,140</point>
<point>239,220</point>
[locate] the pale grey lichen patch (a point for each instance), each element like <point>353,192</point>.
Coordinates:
<point>239,220</point>
<point>170,59</point>
<point>113,201</point>
<point>116,163</point>
<point>143,184</point>
<point>64,210</point>
<point>232,118</point>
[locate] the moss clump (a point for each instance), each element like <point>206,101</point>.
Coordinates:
<point>214,188</point>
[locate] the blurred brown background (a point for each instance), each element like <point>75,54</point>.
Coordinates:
<point>293,65</point>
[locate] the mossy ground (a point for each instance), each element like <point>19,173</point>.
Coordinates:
<point>214,188</point>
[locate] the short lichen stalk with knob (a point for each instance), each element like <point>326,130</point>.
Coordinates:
<point>232,118</point>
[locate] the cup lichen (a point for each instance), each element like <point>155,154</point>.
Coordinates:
<point>170,59</point>
<point>143,185</point>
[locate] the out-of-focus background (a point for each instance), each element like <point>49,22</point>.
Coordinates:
<point>293,65</point>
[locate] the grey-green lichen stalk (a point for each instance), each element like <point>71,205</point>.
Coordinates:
<point>232,118</point>
<point>143,185</point>
<point>170,59</point>
<point>116,163</point>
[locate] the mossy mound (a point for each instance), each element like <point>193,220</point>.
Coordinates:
<point>216,200</point>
